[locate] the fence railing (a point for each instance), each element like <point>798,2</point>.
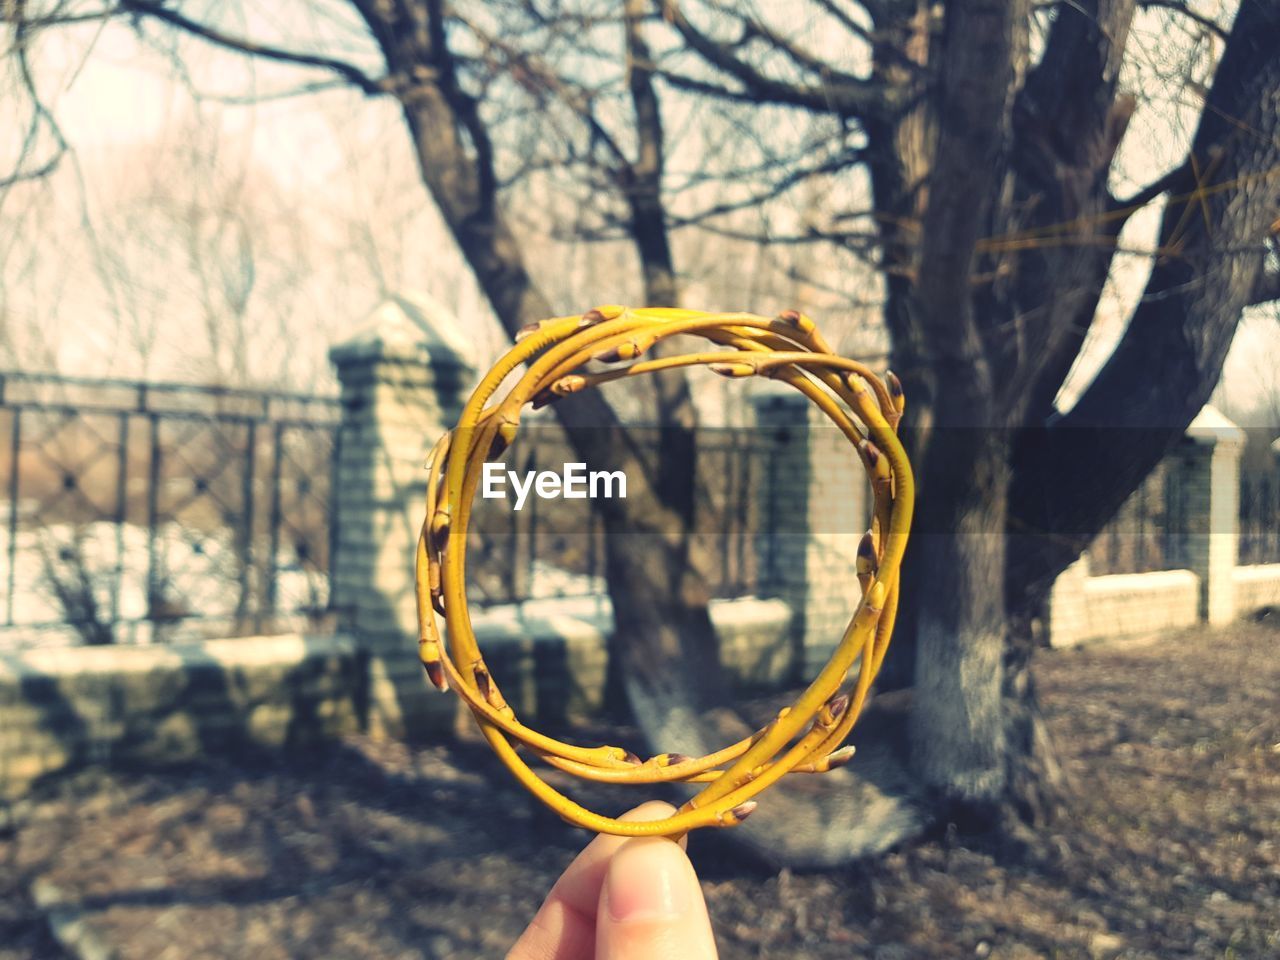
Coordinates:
<point>142,512</point>
<point>1148,531</point>
<point>137,511</point>
<point>1260,517</point>
<point>555,548</point>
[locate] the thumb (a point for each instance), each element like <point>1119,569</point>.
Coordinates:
<point>651,906</point>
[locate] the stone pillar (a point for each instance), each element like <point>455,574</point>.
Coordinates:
<point>405,375</point>
<point>814,512</point>
<point>1210,461</point>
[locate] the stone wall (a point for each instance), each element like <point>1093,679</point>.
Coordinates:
<point>1211,589</point>
<point>1257,587</point>
<point>549,657</point>
<point>1086,609</point>
<point>64,707</point>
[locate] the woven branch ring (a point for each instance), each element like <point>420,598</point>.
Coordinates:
<point>560,357</point>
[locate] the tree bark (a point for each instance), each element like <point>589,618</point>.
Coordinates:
<point>663,633</point>
<point>668,655</point>
<point>1072,474</point>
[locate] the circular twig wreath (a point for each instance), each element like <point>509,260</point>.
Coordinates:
<point>805,737</point>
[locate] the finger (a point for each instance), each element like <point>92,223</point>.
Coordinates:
<point>565,926</point>
<point>651,906</point>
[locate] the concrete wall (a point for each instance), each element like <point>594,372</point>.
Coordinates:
<point>61,708</point>
<point>1086,609</point>
<point>1212,589</point>
<point>549,656</point>
<point>64,708</point>
<point>1256,587</point>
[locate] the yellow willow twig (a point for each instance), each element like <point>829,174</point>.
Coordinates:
<point>805,737</point>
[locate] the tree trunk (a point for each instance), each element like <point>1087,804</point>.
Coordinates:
<point>664,648</point>
<point>958,736</point>
<point>664,637</point>
<point>1035,786</point>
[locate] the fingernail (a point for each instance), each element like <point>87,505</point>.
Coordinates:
<point>649,879</point>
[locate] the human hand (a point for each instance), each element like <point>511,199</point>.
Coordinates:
<point>623,899</point>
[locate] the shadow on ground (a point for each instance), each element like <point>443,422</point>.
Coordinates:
<point>377,850</point>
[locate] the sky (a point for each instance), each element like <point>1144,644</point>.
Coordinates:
<point>325,200</point>
<point>324,180</point>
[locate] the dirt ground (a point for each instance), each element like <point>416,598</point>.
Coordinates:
<point>1171,848</point>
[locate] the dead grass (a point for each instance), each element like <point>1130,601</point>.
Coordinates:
<point>1172,847</point>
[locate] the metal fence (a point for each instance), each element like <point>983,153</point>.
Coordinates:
<point>1260,517</point>
<point>1149,530</point>
<point>151,511</point>
<point>145,512</point>
<point>555,548</point>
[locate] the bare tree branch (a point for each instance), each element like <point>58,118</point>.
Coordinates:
<point>40,116</point>
<point>347,71</point>
<point>1183,9</point>
<point>840,93</point>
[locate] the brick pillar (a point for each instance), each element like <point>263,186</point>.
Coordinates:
<point>405,375</point>
<point>1210,461</point>
<point>814,512</point>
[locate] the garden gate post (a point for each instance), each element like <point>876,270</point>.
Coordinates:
<point>405,375</point>
<point>1211,478</point>
<point>814,510</point>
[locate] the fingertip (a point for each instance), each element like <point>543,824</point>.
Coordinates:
<point>651,906</point>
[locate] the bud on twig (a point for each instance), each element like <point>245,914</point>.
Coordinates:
<point>483,682</point>
<point>733,370</point>
<point>627,350</point>
<point>837,705</point>
<point>608,311</point>
<point>896,395</point>
<point>796,320</point>
<point>739,813</point>
<point>895,385</point>
<point>528,330</point>
<point>838,758</point>
<point>569,384</point>
<point>439,530</point>
<point>505,436</point>
<point>435,673</point>
<point>854,383</point>
<point>542,399</point>
<point>866,561</point>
